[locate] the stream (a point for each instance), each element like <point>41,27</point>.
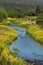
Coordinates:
<point>29,48</point>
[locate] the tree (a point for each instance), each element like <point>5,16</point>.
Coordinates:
<point>15,13</point>
<point>30,13</point>
<point>39,20</point>
<point>3,13</point>
<point>38,10</point>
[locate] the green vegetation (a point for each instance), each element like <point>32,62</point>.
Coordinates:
<point>18,13</point>
<point>21,22</point>
<point>3,14</point>
<point>31,20</point>
<point>35,32</point>
<point>7,36</point>
<point>38,9</point>
<point>39,20</point>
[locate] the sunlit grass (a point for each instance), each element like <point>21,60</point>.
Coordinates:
<point>36,32</point>
<point>7,36</point>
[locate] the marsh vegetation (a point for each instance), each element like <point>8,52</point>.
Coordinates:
<point>32,21</point>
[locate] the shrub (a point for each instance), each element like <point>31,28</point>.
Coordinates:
<point>30,13</point>
<point>39,20</point>
<point>15,13</point>
<point>3,13</point>
<point>38,9</point>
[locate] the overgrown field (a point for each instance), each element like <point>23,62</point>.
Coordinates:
<point>35,32</point>
<point>18,21</point>
<point>7,36</point>
<point>21,22</point>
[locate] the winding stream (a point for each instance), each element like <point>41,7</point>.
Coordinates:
<point>29,48</point>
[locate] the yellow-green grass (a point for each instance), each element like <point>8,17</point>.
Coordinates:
<point>18,21</point>
<point>36,32</point>
<point>21,22</point>
<point>7,36</point>
<point>32,18</point>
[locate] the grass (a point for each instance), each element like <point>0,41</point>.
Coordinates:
<point>7,36</point>
<point>21,22</point>
<point>35,32</point>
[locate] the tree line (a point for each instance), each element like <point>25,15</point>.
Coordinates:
<point>17,12</point>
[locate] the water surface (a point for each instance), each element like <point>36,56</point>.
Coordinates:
<point>29,48</point>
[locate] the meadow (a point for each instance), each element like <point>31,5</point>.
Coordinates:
<point>7,36</point>
<point>33,29</point>
<point>36,33</point>
<point>21,22</point>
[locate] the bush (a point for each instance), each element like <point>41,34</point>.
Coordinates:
<point>15,13</point>
<point>31,13</point>
<point>38,9</point>
<point>39,20</point>
<point>3,13</point>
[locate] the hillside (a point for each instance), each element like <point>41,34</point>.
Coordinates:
<point>27,4</point>
<point>21,1</point>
